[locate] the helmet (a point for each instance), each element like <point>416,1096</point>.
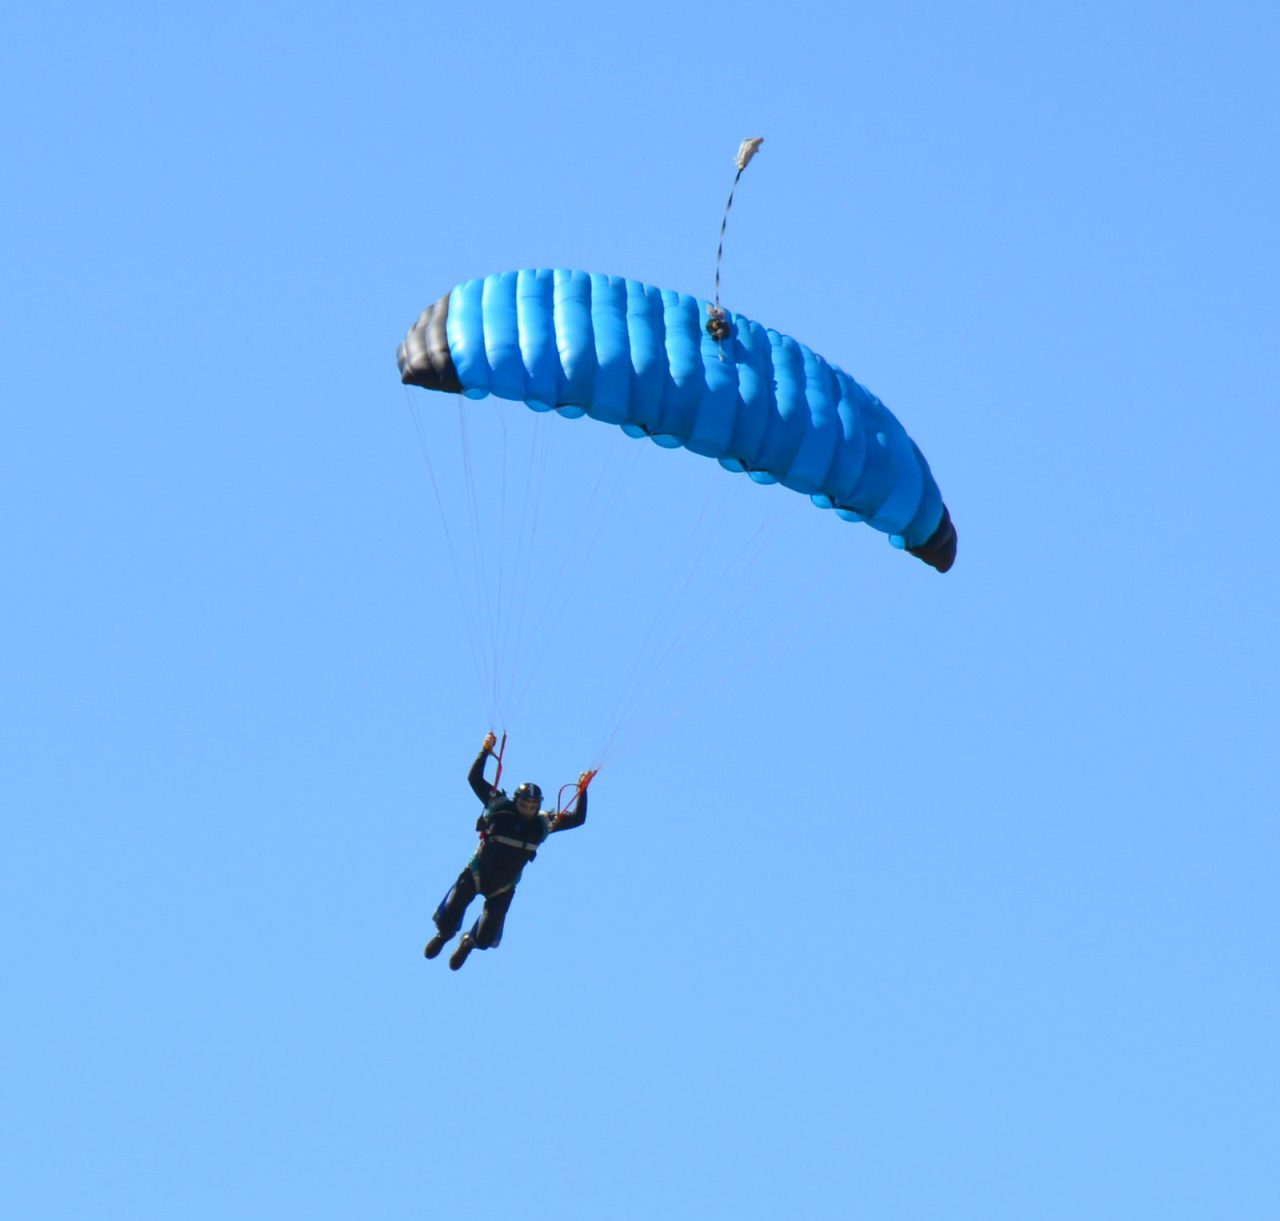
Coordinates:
<point>528,791</point>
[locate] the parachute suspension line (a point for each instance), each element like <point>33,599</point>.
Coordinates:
<point>770,638</point>
<point>717,324</point>
<point>490,543</point>
<point>535,609</point>
<point>665,684</point>
<point>482,583</point>
<point>809,600</point>
<point>473,640</point>
<point>645,674</point>
<point>500,550</point>
<point>675,683</point>
<point>574,560</point>
<point>517,640</point>
<point>514,645</point>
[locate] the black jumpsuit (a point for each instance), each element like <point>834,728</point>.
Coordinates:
<point>508,842</point>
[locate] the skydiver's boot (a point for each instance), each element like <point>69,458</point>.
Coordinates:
<point>435,945</point>
<point>459,956</point>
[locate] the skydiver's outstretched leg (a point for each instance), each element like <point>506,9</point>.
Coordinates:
<point>487,931</point>
<point>448,916</point>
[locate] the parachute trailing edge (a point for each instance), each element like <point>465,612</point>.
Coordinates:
<point>639,357</point>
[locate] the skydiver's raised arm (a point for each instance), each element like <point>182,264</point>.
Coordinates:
<point>567,822</point>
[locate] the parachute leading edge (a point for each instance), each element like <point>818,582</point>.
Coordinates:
<point>638,357</point>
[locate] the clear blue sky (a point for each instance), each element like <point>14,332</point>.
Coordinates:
<point>924,897</point>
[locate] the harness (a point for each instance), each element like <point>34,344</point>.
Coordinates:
<point>488,836</point>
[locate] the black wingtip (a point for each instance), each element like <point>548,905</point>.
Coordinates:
<point>939,550</point>
<point>424,356</point>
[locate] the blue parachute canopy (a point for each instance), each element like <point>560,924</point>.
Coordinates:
<point>639,357</point>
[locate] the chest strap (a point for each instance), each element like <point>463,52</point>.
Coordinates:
<point>512,843</point>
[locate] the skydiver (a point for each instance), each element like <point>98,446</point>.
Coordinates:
<point>511,830</point>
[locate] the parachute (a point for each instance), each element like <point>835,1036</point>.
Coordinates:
<point>638,357</point>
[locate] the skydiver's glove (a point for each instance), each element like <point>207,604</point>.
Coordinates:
<point>490,741</point>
